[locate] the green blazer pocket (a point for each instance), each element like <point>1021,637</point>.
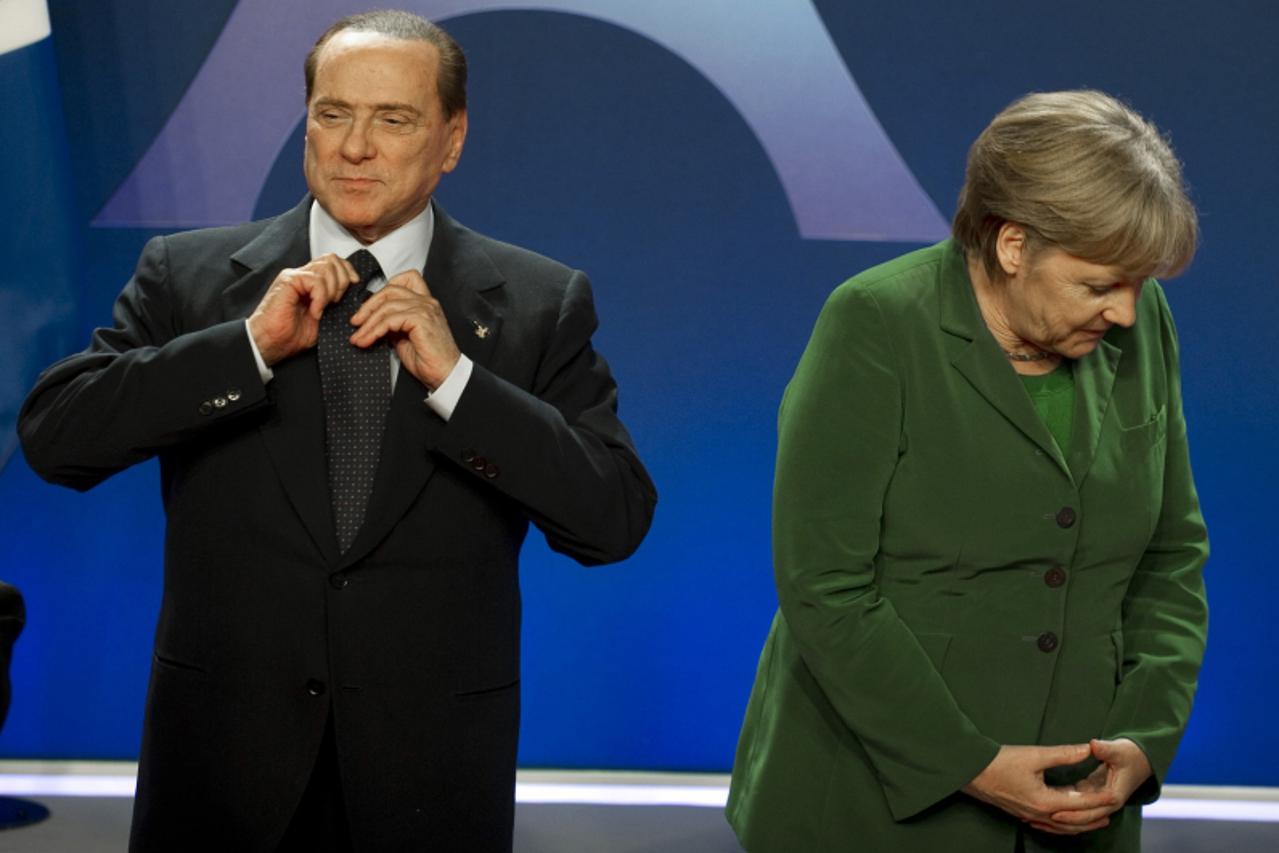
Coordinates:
<point>1145,436</point>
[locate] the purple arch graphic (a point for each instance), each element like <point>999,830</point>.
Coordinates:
<point>775,62</point>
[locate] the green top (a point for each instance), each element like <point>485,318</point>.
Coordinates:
<point>1053,396</point>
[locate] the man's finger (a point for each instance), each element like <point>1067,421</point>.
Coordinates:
<point>382,302</point>
<point>332,275</point>
<point>411,280</point>
<point>309,284</point>
<point>378,326</point>
<point>345,267</point>
<point>370,305</point>
<point>392,299</point>
<point>339,274</point>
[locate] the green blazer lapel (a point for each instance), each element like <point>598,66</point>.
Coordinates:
<point>1094,386</point>
<point>294,431</point>
<point>973,352</point>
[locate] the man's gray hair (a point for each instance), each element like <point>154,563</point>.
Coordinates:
<point>451,78</point>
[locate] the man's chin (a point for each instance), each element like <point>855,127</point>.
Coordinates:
<point>353,217</point>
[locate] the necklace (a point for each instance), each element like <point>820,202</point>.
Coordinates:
<point>1028,356</point>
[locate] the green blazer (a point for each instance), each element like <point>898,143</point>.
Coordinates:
<point>949,582</point>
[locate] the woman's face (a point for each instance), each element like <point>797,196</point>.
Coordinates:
<point>1064,304</point>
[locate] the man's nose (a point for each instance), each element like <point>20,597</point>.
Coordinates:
<point>357,145</point>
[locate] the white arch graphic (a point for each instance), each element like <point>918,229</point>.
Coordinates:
<point>774,61</point>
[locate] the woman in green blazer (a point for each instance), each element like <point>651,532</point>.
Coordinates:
<point>987,543</point>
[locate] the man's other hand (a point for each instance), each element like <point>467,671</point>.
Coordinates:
<point>409,317</point>
<point>287,320</point>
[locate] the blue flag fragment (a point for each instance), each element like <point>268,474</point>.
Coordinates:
<point>39,256</point>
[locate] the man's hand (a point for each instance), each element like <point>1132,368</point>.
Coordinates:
<point>1014,782</point>
<point>1124,767</point>
<point>287,320</point>
<point>405,312</point>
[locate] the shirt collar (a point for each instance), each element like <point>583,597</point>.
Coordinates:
<point>403,249</point>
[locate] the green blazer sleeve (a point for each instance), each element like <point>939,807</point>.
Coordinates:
<point>840,432</point>
<point>1165,611</point>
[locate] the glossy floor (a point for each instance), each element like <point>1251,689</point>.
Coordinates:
<point>615,813</point>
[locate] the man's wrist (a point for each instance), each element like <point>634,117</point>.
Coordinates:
<point>444,399</point>
<point>263,370</point>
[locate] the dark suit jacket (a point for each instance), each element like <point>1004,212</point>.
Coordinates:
<point>412,636</point>
<point>949,582</point>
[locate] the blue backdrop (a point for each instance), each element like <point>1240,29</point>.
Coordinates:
<point>663,163</point>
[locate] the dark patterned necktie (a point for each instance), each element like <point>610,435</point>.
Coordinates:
<point>357,394</point>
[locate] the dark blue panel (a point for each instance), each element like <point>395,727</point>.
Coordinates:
<point>596,146</point>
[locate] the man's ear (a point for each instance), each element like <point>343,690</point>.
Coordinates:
<point>457,138</point>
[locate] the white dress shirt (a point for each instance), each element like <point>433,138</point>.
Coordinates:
<point>405,248</point>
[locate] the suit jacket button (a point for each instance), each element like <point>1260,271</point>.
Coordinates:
<point>219,402</point>
<point>339,581</point>
<point>206,408</point>
<point>478,463</point>
<point>1047,641</point>
<point>233,394</point>
<point>490,471</point>
<point>315,687</point>
<point>1066,517</point>
<point>468,455</point>
<point>1055,577</point>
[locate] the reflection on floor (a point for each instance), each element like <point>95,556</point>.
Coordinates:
<point>568,812</point>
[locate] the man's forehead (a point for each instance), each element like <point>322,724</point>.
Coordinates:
<point>354,42</point>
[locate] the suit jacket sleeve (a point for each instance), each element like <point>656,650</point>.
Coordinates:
<point>558,449</point>
<point>1165,612</point>
<point>840,435</point>
<point>143,385</point>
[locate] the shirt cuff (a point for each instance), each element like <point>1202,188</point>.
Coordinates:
<point>265,372</point>
<point>443,400</point>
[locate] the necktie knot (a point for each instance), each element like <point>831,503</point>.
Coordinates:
<point>366,266</point>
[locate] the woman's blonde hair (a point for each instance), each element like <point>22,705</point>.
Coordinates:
<point>1081,172</point>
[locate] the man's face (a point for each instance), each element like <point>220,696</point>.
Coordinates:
<point>377,140</point>
<point>1064,304</point>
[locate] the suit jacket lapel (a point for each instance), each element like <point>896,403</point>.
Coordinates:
<point>294,433</point>
<point>459,274</point>
<point>975,354</point>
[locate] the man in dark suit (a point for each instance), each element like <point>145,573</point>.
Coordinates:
<point>333,673</point>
